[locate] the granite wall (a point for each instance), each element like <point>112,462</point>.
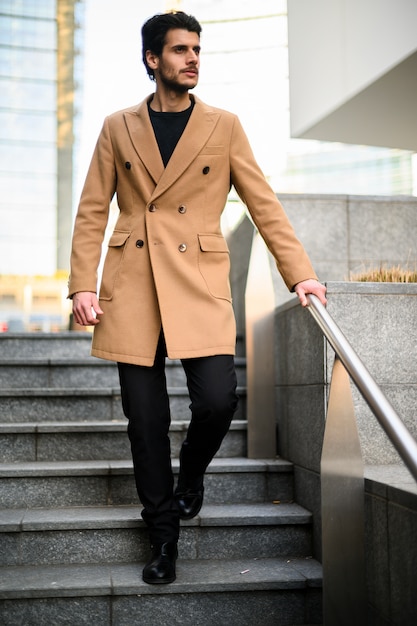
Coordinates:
<point>380,322</point>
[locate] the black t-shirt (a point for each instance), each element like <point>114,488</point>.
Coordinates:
<point>168,128</point>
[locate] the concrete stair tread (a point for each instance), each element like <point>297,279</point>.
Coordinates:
<point>193,576</point>
<point>86,360</point>
<point>43,360</point>
<point>117,425</point>
<point>78,483</point>
<point>29,392</point>
<point>62,468</point>
<point>81,518</point>
<point>25,393</point>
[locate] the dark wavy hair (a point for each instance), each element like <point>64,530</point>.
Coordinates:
<point>156,28</point>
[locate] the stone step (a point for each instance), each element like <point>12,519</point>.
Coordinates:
<point>74,404</point>
<point>90,441</point>
<point>62,345</point>
<point>89,372</point>
<point>118,534</point>
<point>100,483</point>
<point>271,592</point>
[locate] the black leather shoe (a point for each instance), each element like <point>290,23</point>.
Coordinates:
<point>189,502</point>
<point>160,569</point>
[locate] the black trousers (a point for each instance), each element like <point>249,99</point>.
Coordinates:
<point>211,385</point>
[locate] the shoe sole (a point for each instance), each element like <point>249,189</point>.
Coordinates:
<point>153,581</point>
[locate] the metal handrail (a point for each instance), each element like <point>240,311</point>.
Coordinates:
<point>390,421</point>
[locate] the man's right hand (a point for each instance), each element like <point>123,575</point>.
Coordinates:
<point>85,308</point>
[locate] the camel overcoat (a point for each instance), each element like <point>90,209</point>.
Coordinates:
<point>167,263</point>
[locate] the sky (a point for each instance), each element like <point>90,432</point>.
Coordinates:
<point>243,68</point>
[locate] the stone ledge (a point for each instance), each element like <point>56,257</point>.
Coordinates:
<point>80,468</point>
<point>393,483</point>
<point>192,577</point>
<point>81,518</point>
<point>91,426</point>
<point>24,392</point>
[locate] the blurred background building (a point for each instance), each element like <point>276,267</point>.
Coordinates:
<point>40,72</point>
<point>326,90</point>
<point>353,79</point>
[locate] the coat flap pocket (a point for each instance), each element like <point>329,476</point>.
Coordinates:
<point>213,243</point>
<point>212,150</point>
<point>118,238</point>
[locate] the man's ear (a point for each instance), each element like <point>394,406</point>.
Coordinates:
<point>152,59</point>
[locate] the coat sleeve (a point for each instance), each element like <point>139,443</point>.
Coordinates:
<point>267,212</point>
<point>92,216</point>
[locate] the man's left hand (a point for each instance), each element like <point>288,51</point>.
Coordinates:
<point>310,286</point>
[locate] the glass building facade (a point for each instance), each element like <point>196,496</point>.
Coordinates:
<point>31,118</point>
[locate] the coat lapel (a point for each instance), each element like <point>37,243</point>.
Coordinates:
<point>199,128</point>
<point>143,138</point>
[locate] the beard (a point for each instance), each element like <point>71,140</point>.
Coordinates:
<point>173,85</point>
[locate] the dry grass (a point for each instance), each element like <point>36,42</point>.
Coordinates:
<point>385,275</point>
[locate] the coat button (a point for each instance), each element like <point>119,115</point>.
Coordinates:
<point>206,169</point>
<point>128,165</point>
<point>152,208</point>
<point>182,209</point>
<point>140,243</point>
<point>182,247</point>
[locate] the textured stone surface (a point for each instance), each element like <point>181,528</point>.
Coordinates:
<point>54,405</point>
<point>90,373</point>
<point>380,322</point>
<point>66,404</point>
<point>307,487</point>
<point>377,556</point>
<point>45,345</point>
<point>327,243</point>
<point>254,542</point>
<point>88,441</point>
<point>117,534</point>
<point>17,447</point>
<point>78,372</point>
<point>53,542</point>
<point>53,491</point>
<point>301,424</point>
<point>83,546</point>
<point>246,514</point>
<point>392,481</point>
<point>76,446</point>
<point>402,525</point>
<point>391,224</point>
<point>86,483</point>
<point>282,591</point>
<point>391,525</point>
<point>63,611</point>
<point>55,581</point>
<point>18,373</point>
<point>299,347</point>
<point>276,608</point>
<point>339,243</point>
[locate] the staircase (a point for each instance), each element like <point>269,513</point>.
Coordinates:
<point>72,540</point>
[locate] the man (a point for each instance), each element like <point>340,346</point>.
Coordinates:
<point>165,285</point>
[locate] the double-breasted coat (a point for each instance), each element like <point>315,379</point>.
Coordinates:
<point>167,263</point>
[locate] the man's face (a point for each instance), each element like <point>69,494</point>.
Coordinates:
<point>177,66</point>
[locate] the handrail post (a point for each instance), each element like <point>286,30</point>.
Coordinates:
<point>342,506</point>
<point>259,309</point>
